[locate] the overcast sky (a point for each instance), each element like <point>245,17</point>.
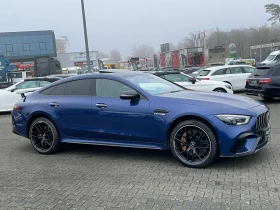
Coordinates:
<point>122,24</point>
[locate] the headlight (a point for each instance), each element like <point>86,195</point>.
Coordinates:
<point>234,119</point>
<point>228,86</point>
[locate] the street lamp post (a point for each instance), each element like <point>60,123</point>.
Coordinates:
<point>85,35</point>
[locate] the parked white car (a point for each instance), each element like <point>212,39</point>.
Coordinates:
<point>194,84</point>
<point>235,75</point>
<point>10,95</point>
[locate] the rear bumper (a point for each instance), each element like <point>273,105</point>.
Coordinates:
<point>259,92</point>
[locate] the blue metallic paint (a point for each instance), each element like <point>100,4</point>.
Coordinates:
<point>122,123</point>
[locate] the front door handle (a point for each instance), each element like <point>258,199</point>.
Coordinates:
<point>54,104</point>
<point>101,105</point>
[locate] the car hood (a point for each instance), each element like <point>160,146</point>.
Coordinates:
<point>210,99</point>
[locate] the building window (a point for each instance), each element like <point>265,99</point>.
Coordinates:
<point>9,48</point>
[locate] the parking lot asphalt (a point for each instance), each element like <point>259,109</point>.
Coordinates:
<point>96,177</point>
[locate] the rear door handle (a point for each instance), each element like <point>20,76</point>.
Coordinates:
<point>101,105</point>
<point>54,104</point>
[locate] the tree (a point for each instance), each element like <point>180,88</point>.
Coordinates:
<point>143,51</point>
<point>103,55</point>
<point>274,11</point>
<point>115,55</point>
<point>61,44</point>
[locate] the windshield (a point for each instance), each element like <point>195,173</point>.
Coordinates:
<point>270,58</point>
<point>204,73</point>
<point>153,84</point>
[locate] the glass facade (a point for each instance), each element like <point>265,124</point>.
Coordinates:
<point>27,45</point>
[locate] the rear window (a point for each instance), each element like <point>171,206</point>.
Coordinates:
<point>204,73</point>
<point>261,72</point>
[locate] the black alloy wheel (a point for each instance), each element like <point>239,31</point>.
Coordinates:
<point>194,143</point>
<point>44,136</point>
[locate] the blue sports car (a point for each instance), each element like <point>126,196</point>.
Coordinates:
<point>135,109</point>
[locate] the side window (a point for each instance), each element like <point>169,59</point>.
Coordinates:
<point>28,84</point>
<point>44,83</point>
<point>249,69</point>
<point>236,70</point>
<point>277,58</point>
<point>218,72</point>
<point>110,88</point>
<point>58,90</point>
<point>177,78</point>
<point>47,91</point>
<point>78,87</point>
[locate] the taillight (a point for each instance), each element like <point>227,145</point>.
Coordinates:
<point>16,108</point>
<point>265,81</point>
<point>205,78</point>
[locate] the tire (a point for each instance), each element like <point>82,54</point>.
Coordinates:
<point>268,98</point>
<point>44,136</point>
<point>221,90</point>
<point>187,148</point>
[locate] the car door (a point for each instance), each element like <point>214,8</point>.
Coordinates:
<point>69,104</point>
<point>237,78</point>
<point>222,75</point>
<point>118,120</point>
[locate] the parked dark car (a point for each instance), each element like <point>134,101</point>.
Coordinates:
<point>264,82</point>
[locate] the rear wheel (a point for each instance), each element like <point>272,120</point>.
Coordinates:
<point>268,98</point>
<point>44,136</point>
<point>220,90</point>
<point>194,143</point>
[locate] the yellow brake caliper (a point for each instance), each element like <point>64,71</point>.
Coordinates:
<point>184,140</point>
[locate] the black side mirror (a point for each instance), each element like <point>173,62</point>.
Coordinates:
<point>129,95</point>
<point>193,80</point>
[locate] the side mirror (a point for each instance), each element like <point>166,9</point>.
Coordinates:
<point>129,95</point>
<point>193,80</point>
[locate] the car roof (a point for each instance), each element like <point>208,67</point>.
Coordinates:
<point>275,53</point>
<point>214,68</point>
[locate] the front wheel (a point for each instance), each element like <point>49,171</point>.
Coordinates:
<point>194,143</point>
<point>44,136</point>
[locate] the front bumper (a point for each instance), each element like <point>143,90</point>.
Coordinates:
<point>249,143</point>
